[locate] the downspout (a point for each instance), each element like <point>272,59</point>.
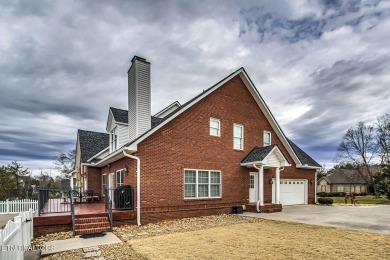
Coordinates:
<point>138,185</point>
<point>258,202</point>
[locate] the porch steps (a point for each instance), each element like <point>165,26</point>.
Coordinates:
<point>267,208</point>
<point>91,225</point>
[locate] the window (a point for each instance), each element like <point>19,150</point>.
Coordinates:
<point>202,184</point>
<point>340,188</point>
<point>238,137</point>
<point>252,181</point>
<point>119,178</point>
<point>104,182</point>
<point>267,138</point>
<point>74,183</point>
<point>114,139</point>
<point>215,127</point>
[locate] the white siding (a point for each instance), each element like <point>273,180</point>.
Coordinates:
<point>123,135</point>
<point>139,98</point>
<point>273,160</point>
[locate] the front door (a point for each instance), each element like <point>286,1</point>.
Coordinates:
<point>111,186</point>
<point>253,187</point>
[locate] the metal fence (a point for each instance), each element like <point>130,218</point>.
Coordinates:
<point>16,206</point>
<point>16,236</point>
<point>53,201</point>
<point>122,197</point>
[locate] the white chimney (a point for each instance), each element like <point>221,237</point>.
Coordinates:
<point>139,97</point>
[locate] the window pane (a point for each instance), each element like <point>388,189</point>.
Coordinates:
<point>237,143</point>
<point>214,132</point>
<point>267,139</point>
<point>203,177</point>
<point>190,177</point>
<point>215,190</point>
<point>203,190</point>
<point>237,131</point>
<point>215,177</point>
<point>189,191</point>
<point>214,123</point>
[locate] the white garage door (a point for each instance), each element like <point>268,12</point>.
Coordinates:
<point>292,192</point>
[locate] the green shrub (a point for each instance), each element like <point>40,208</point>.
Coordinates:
<point>325,201</point>
<point>331,194</point>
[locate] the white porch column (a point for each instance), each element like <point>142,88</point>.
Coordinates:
<point>277,185</point>
<point>261,185</point>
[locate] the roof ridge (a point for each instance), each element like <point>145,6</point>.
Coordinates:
<point>90,131</point>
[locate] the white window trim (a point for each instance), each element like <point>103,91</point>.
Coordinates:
<point>196,184</point>
<point>116,178</point>
<point>242,138</point>
<point>103,194</point>
<point>114,132</point>
<point>219,126</point>
<point>270,137</point>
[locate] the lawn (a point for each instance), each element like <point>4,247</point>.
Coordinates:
<point>265,239</point>
<point>363,200</point>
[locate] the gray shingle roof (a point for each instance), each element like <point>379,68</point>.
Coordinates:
<point>258,154</point>
<point>303,157</point>
<point>344,176</point>
<point>121,115</point>
<point>91,143</point>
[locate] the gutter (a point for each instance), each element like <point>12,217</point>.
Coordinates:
<point>138,185</point>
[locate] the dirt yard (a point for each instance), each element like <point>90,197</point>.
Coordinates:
<point>235,237</point>
<point>265,239</point>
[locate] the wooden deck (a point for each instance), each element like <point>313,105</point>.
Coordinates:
<point>62,221</point>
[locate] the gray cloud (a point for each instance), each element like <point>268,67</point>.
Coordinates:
<point>319,65</point>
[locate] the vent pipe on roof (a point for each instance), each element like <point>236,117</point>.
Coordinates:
<point>139,97</point>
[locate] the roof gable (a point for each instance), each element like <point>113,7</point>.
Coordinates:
<point>268,156</point>
<point>264,108</point>
<point>91,143</point>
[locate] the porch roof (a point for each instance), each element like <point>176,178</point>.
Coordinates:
<point>266,156</point>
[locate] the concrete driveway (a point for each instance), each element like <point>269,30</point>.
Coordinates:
<point>368,218</point>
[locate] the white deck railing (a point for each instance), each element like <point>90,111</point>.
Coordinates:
<point>16,206</point>
<point>16,236</point>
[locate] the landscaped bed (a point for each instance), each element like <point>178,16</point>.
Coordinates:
<point>362,200</point>
<point>236,237</point>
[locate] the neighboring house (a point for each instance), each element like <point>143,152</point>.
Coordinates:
<point>342,180</point>
<point>221,149</point>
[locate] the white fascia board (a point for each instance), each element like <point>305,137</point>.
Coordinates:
<point>263,106</point>
<point>99,153</point>
<point>250,164</point>
<point>109,158</point>
<point>108,119</point>
<point>176,103</point>
<point>187,107</point>
<point>308,167</point>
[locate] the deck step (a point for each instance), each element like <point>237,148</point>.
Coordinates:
<point>92,225</point>
<point>91,220</point>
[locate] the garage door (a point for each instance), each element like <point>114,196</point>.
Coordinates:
<point>292,192</point>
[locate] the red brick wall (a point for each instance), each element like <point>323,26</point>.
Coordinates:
<point>186,143</point>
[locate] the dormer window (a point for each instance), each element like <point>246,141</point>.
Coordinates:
<point>267,138</point>
<point>114,139</point>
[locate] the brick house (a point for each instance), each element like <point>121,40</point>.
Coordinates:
<point>344,180</point>
<point>223,148</point>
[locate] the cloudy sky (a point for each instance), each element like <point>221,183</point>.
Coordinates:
<point>321,66</point>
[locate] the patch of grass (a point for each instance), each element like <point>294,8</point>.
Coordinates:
<point>266,239</point>
<point>363,200</point>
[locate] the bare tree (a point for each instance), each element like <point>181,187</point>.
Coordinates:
<point>359,147</point>
<point>65,163</point>
<point>383,138</point>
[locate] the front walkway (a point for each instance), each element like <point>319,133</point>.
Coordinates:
<point>77,242</point>
<point>367,218</point>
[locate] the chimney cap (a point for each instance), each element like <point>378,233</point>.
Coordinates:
<point>138,58</point>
